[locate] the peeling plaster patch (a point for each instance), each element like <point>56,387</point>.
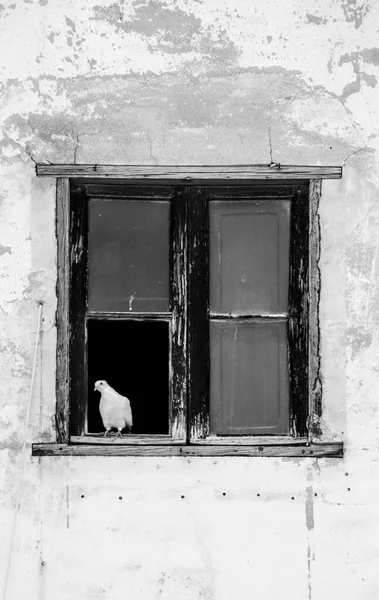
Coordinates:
<point>322,115</point>
<point>19,355</point>
<point>173,31</point>
<point>368,56</point>
<point>355,12</point>
<point>359,339</point>
<point>5,250</point>
<point>351,88</point>
<point>10,150</point>
<point>370,80</point>
<point>315,20</point>
<point>51,36</point>
<point>71,24</point>
<point>119,110</point>
<point>371,56</point>
<point>35,283</point>
<point>55,131</point>
<point>170,30</point>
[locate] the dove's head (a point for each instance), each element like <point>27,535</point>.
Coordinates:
<point>100,385</point>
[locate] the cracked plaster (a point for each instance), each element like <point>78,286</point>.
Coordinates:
<point>188,82</point>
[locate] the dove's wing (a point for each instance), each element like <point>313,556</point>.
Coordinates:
<point>115,409</point>
<point>127,411</point>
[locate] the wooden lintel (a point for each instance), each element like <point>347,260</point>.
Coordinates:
<point>189,173</point>
<point>333,450</point>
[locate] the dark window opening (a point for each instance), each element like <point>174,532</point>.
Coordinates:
<point>133,358</point>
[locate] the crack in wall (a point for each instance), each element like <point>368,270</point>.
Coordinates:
<point>75,134</point>
<point>25,149</point>
<point>151,147</point>
<point>352,154</point>
<point>270,142</point>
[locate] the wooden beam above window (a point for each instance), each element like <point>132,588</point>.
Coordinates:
<point>190,173</point>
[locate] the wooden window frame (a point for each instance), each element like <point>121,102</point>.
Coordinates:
<point>192,225</point>
<point>80,193</point>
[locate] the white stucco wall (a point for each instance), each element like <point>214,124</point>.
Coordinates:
<point>191,82</point>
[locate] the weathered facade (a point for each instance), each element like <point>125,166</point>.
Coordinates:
<point>190,82</point>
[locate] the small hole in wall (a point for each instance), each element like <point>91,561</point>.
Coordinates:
<point>348,489</point>
<point>346,474</point>
<point>315,493</point>
<point>292,497</point>
<point>82,496</point>
<point>258,495</point>
<point>182,496</point>
<point>120,497</point>
<point>224,493</point>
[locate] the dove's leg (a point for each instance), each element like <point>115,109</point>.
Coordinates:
<point>119,434</point>
<point>107,431</point>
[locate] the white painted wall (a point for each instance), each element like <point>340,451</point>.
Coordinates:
<point>191,82</point>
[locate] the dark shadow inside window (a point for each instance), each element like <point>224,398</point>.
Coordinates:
<point>133,358</point>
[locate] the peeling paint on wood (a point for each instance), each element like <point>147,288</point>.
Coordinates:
<point>179,314</point>
<point>315,382</point>
<point>189,172</point>
<point>330,450</point>
<point>63,281</point>
<point>298,324</point>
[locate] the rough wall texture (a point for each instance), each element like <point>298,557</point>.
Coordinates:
<point>191,82</point>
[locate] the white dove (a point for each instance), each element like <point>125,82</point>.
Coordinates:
<point>115,409</point>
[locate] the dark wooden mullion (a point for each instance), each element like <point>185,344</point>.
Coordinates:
<point>298,313</point>
<point>198,309</point>
<point>77,309</point>
<point>178,306</point>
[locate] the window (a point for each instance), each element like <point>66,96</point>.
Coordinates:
<point>195,301</point>
<point>189,300</point>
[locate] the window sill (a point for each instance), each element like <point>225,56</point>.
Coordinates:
<point>117,448</point>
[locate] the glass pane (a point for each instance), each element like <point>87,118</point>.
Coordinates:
<point>128,256</point>
<point>249,257</point>
<point>249,378</point>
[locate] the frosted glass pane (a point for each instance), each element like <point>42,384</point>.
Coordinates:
<point>249,257</point>
<point>249,391</point>
<point>128,256</point>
